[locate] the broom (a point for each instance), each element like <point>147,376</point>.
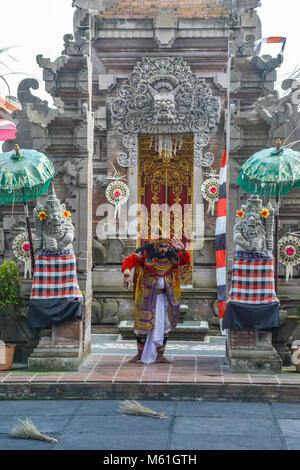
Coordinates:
<point>25,429</point>
<point>135,408</point>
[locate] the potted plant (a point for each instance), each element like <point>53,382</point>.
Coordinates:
<point>11,305</point>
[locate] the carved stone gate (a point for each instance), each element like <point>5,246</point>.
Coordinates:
<point>163,101</point>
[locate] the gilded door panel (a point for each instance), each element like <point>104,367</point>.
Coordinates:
<point>167,181</point>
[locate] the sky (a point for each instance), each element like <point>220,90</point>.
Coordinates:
<point>33,27</point>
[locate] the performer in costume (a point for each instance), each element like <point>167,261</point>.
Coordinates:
<point>156,294</point>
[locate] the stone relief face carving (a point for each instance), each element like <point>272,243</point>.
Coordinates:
<point>162,95</point>
<point>164,105</point>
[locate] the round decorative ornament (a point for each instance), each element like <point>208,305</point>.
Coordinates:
<point>117,193</point>
<point>21,250</point>
<point>289,253</point>
<point>210,192</point>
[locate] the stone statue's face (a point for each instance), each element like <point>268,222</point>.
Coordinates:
<point>252,225</point>
<point>164,107</point>
<point>55,222</point>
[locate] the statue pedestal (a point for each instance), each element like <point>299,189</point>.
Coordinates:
<point>60,348</point>
<point>251,351</point>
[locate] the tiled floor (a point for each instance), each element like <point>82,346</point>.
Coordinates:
<point>114,368</point>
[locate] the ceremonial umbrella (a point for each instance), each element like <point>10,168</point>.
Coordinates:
<point>271,172</point>
<point>24,175</point>
<point>7,130</point>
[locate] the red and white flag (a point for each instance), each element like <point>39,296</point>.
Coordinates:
<point>221,239</point>
<point>271,40</point>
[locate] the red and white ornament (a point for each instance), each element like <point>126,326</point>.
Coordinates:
<point>289,253</point>
<point>117,193</point>
<point>210,192</point>
<point>21,250</point>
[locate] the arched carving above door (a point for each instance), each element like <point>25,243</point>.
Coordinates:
<point>163,96</point>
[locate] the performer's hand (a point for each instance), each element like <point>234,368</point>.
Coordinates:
<point>177,244</point>
<point>127,283</point>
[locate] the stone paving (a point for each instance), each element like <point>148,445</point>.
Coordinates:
<point>114,368</point>
<point>97,425</point>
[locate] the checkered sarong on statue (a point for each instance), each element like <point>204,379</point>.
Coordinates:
<point>252,278</point>
<point>55,276</point>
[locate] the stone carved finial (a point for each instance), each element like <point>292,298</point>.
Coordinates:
<point>254,229</point>
<point>266,63</point>
<point>54,227</point>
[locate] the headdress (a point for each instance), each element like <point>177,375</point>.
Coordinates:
<point>158,238</point>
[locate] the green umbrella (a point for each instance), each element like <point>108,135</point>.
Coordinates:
<point>25,175</point>
<point>271,172</point>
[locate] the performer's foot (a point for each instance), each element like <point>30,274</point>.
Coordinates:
<point>135,358</point>
<point>162,359</point>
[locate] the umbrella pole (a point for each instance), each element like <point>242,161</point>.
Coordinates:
<point>29,236</point>
<point>276,242</point>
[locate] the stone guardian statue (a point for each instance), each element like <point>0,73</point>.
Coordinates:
<point>55,296</point>
<point>252,302</point>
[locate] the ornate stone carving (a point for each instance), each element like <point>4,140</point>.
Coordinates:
<point>54,230</point>
<point>70,46</point>
<point>252,232</point>
<point>266,63</point>
<point>163,96</point>
<point>42,115</point>
<point>200,141</point>
<point>46,63</point>
<point>130,141</point>
<point>278,111</point>
<point>123,160</point>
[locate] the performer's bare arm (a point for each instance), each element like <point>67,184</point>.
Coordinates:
<point>129,263</point>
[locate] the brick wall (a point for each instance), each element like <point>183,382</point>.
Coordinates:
<point>151,8</point>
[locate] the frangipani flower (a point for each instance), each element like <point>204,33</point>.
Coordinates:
<point>42,215</point>
<point>240,214</point>
<point>66,214</point>
<point>265,213</point>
